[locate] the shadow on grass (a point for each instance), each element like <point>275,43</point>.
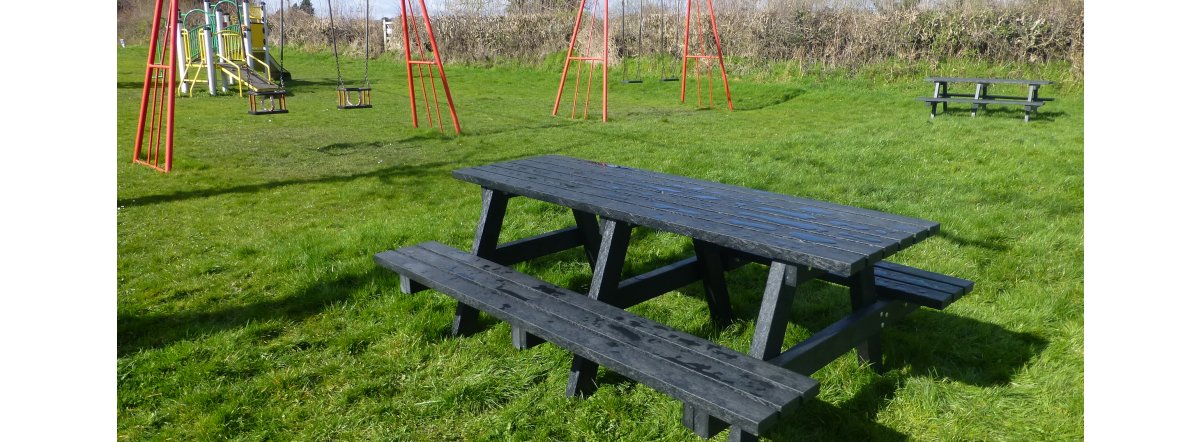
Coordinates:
<point>852,420</point>
<point>995,243</point>
<point>338,149</point>
<point>410,171</point>
<point>773,100</point>
<point>419,170</point>
<point>136,333</point>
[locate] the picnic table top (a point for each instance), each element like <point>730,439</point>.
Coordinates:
<point>831,237</point>
<point>987,80</point>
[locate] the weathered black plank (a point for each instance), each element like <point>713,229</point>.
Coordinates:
<point>872,246</point>
<point>543,307</point>
<point>842,336</point>
<point>986,80</point>
<point>649,369</point>
<point>589,232</point>
<point>862,296</point>
<point>606,281</point>
<point>831,260</point>
<point>773,312</point>
<point>755,219</point>
<point>909,284</point>
<point>537,246</point>
<point>716,292</point>
<point>1017,98</point>
<point>806,209</point>
<point>487,236</point>
<point>716,355</point>
<point>721,203</point>
<point>981,101</point>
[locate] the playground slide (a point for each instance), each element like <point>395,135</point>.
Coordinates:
<point>242,73</point>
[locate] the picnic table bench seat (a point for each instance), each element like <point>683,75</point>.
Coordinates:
<point>733,387</point>
<point>982,98</point>
<point>1030,106</point>
<point>912,285</point>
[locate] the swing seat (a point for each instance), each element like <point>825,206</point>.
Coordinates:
<point>268,102</point>
<point>669,79</point>
<point>363,101</point>
<point>631,81</point>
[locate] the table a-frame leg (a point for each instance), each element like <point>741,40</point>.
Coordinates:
<point>589,232</point>
<point>716,291</point>
<point>610,258</point>
<point>487,236</point>
<point>768,342</point>
<point>773,314</point>
<point>862,295</point>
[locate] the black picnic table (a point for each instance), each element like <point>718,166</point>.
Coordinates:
<point>981,97</point>
<point>729,226</point>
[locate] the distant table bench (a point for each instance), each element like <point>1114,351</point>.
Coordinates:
<point>730,226</point>
<point>981,98</point>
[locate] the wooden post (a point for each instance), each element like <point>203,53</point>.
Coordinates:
<point>614,242</point>
<point>716,291</point>
<point>773,314</point>
<point>487,236</point>
<point>862,296</point>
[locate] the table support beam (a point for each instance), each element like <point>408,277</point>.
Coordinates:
<point>589,232</point>
<point>606,280</point>
<point>862,297</point>
<point>716,291</point>
<point>773,314</point>
<point>537,246</point>
<point>840,337</point>
<point>586,233</point>
<point>487,236</point>
<point>641,288</point>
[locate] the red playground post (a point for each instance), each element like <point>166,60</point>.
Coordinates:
<point>703,58</point>
<point>414,55</point>
<point>158,92</point>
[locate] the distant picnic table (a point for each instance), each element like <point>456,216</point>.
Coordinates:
<point>729,227</point>
<point>981,96</point>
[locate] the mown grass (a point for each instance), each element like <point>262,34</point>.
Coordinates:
<point>249,307</point>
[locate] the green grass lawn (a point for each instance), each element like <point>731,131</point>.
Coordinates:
<point>249,306</point>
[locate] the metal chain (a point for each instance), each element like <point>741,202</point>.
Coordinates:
<point>333,36</point>
<point>367,51</point>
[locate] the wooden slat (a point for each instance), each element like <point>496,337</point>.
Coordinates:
<point>900,291</point>
<point>909,284</point>
<point>980,101</point>
<point>644,350</point>
<point>800,253</point>
<point>964,284</point>
<point>640,366</point>
<point>847,226</point>
<point>753,224</point>
<point>808,206</point>
<point>987,80</point>
<point>598,315</point>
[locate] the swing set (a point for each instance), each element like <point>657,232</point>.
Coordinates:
<point>178,55</point>
<point>590,46</point>
<point>227,50</point>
